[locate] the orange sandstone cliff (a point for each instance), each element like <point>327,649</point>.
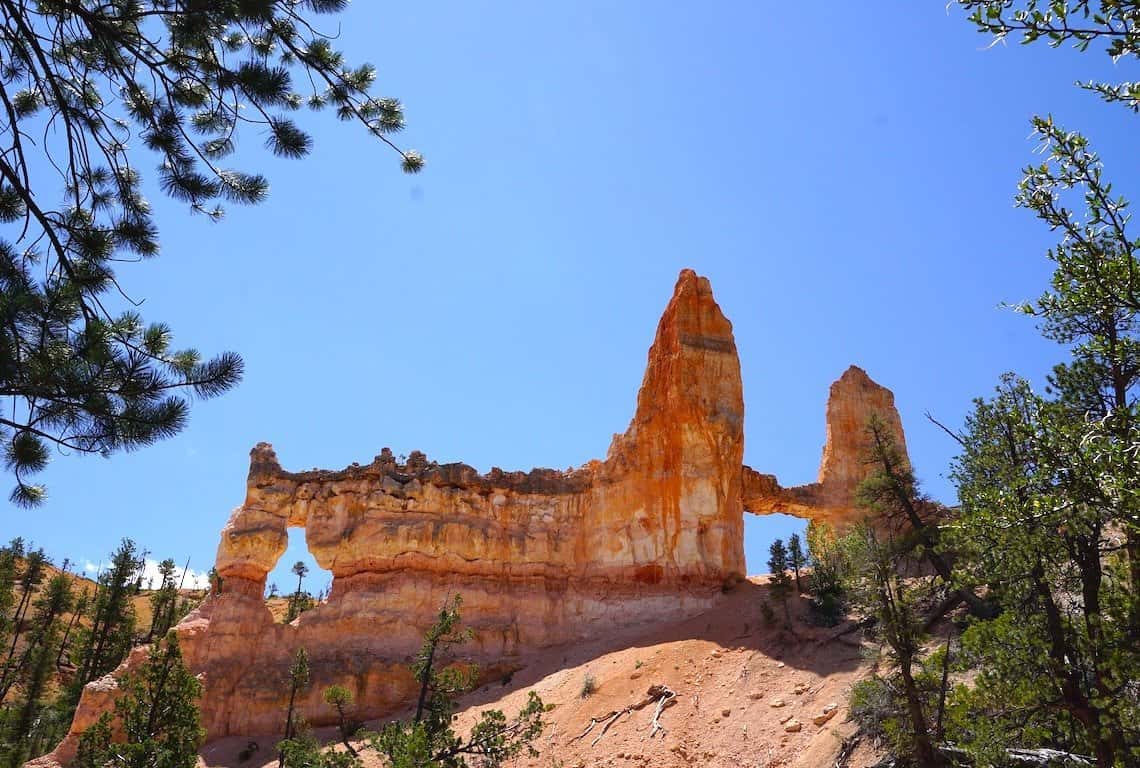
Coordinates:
<point>654,532</point>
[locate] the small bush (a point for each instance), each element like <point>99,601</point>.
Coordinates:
<point>589,686</point>
<point>880,711</point>
<point>872,705</point>
<point>827,609</point>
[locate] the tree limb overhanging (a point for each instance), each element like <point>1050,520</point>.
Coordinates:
<point>90,91</point>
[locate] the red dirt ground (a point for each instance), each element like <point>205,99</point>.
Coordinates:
<point>727,668</point>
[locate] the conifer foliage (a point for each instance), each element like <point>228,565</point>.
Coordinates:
<point>157,713</point>
<point>797,558</point>
<point>427,739</point>
<point>111,634</point>
<point>781,583</point>
<point>92,95</point>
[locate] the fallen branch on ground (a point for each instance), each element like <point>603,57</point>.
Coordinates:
<point>655,725</point>
<point>661,694</point>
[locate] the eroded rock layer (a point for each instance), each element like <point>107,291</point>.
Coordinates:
<point>652,533</point>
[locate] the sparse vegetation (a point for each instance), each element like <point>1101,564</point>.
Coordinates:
<point>300,601</point>
<point>298,681</point>
<point>780,584</point>
<point>589,686</point>
<point>157,714</point>
<point>797,559</point>
<point>58,630</point>
<point>427,739</point>
<point>341,699</point>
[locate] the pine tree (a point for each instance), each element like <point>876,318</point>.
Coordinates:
<point>35,564</point>
<point>9,568</point>
<point>157,713</point>
<point>77,614</point>
<point>780,584</point>
<point>796,558</point>
<point>891,496</point>
<point>298,681</point>
<point>908,710</point>
<point>299,602</point>
<point>340,698</point>
<point>125,86</point>
<point>428,739</point>
<point>36,664</point>
<point>112,619</point>
<point>164,601</point>
<point>1042,524</point>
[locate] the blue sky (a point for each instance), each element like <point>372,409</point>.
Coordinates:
<point>842,172</point>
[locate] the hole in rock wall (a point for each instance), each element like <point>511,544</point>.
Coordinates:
<point>284,601</point>
<point>759,533</point>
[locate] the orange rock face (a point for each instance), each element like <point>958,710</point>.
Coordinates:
<point>853,400</point>
<point>653,532</point>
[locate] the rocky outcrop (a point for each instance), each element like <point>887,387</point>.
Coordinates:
<point>653,532</point>
<point>854,398</point>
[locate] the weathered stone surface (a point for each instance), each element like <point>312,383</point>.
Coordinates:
<point>544,557</point>
<point>853,399</point>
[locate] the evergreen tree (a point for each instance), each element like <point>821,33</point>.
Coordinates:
<point>298,681</point>
<point>340,698</point>
<point>36,666</point>
<point>780,584</point>
<point>9,568</point>
<point>111,634</point>
<point>157,713</point>
<point>164,601</point>
<point>1047,479</point>
<point>1042,521</point>
<point>428,739</point>
<point>35,565</point>
<point>796,558</point>
<point>891,496</point>
<point>831,561</point>
<point>299,602</point>
<point>77,614</point>
<point>122,84</point>
<point>886,582</point>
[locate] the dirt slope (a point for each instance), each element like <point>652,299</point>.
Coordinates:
<point>729,672</point>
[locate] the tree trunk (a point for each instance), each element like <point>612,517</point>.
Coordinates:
<point>927,755</point>
<point>425,682</point>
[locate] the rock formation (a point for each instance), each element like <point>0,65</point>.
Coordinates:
<point>653,532</point>
<point>853,399</point>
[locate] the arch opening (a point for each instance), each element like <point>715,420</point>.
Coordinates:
<point>759,533</point>
<point>289,594</point>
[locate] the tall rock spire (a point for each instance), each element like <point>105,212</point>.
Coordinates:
<point>854,398</point>
<point>683,450</point>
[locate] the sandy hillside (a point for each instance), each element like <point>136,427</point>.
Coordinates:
<point>730,674</point>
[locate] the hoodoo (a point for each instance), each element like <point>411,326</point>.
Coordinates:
<point>652,533</point>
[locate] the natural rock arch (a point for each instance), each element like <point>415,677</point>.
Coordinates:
<point>652,533</point>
